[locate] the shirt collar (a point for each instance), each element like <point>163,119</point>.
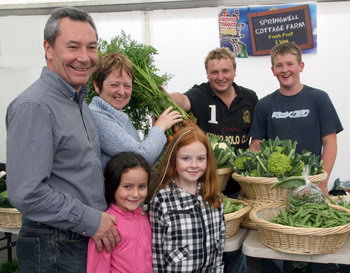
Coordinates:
<point>187,200</point>
<point>58,82</point>
<point>235,86</point>
<point>126,213</point>
<point>101,104</point>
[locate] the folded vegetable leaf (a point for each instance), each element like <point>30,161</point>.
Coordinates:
<point>291,182</point>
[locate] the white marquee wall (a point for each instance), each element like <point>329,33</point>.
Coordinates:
<point>183,37</point>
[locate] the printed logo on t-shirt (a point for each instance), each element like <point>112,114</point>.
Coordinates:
<point>302,113</point>
<point>234,140</point>
<point>247,116</point>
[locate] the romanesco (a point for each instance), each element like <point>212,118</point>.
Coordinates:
<point>279,164</point>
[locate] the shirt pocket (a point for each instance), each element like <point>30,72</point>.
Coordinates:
<point>177,255</point>
<point>182,225</point>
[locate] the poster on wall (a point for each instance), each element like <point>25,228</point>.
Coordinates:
<point>254,30</point>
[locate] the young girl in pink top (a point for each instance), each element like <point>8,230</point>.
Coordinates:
<point>126,183</point>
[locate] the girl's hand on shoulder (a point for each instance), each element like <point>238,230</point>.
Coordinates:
<point>168,118</point>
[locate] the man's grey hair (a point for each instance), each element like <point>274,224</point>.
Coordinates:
<point>52,25</point>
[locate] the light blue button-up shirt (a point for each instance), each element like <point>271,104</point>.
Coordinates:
<point>54,174</point>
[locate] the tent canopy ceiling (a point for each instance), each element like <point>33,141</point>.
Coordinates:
<point>41,7</point>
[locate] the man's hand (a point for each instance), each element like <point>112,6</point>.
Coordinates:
<point>106,235</point>
<point>255,145</point>
<point>323,187</point>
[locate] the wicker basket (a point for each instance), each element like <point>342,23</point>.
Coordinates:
<point>339,198</point>
<point>233,220</point>
<point>10,218</point>
<point>296,240</point>
<point>223,175</point>
<point>260,188</point>
<point>247,222</point>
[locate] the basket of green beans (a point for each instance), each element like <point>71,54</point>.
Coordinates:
<point>308,230</point>
<point>234,211</point>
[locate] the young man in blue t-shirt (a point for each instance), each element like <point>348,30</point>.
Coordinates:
<point>296,111</point>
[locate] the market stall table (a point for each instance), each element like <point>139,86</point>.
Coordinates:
<point>231,244</point>
<point>8,237</point>
<point>235,242</point>
<point>253,247</point>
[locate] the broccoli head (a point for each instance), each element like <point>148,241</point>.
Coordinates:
<point>279,164</point>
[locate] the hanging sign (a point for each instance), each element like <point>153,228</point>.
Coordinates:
<point>255,30</point>
<point>268,28</point>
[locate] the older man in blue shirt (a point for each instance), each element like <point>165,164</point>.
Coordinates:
<point>54,174</point>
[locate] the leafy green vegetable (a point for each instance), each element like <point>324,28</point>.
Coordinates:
<point>230,205</point>
<point>4,194</point>
<point>240,162</point>
<point>242,159</point>
<point>224,153</point>
<point>277,158</point>
<point>4,200</point>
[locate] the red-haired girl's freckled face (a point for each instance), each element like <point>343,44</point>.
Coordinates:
<point>191,163</point>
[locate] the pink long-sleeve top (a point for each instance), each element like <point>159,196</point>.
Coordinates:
<point>133,253</point>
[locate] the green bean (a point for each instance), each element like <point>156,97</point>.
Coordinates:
<point>284,215</point>
<point>305,219</point>
<point>318,220</point>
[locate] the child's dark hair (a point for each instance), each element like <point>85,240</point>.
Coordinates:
<point>118,165</point>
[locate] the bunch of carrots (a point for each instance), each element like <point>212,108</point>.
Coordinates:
<point>171,132</point>
<point>147,90</point>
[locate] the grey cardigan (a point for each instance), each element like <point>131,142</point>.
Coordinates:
<point>117,134</point>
